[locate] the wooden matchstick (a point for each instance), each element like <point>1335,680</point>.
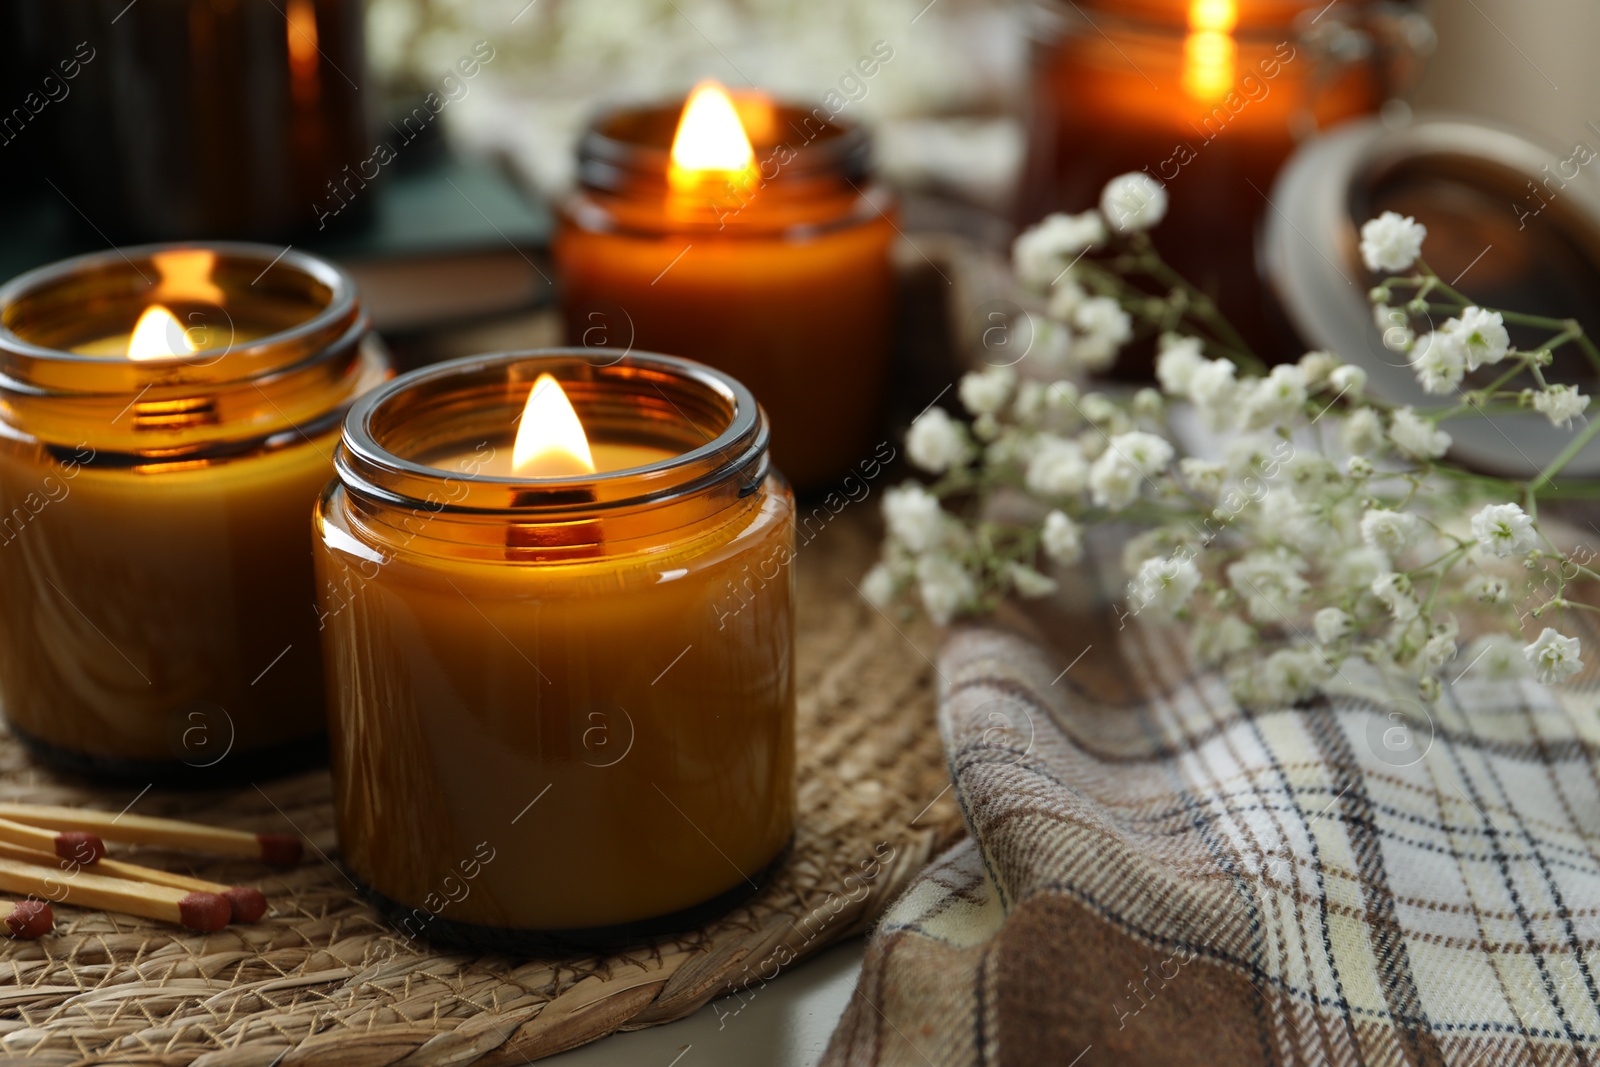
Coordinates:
<point>145,830</point>
<point>247,904</point>
<point>73,844</point>
<point>198,911</point>
<point>27,920</point>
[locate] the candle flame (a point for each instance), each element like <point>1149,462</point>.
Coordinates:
<point>1209,52</point>
<point>550,442</point>
<point>303,52</point>
<point>710,137</point>
<point>158,335</point>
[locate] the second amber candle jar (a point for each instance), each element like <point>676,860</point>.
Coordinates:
<point>563,707</point>
<point>778,275</point>
<point>155,552</point>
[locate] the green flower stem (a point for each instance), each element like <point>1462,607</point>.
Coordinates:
<point>1574,446</point>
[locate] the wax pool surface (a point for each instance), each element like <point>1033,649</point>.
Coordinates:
<point>549,746</point>
<point>188,588</point>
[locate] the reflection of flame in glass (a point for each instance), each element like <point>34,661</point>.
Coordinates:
<point>710,137</point>
<point>550,442</point>
<point>186,275</point>
<point>303,56</point>
<point>1209,52</point>
<point>158,335</point>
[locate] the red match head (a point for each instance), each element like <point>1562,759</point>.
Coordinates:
<point>79,846</point>
<point>204,912</point>
<point>248,904</point>
<point>30,919</point>
<point>280,848</point>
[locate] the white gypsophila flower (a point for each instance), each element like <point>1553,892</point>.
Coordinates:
<point>1390,532</point>
<point>1316,368</point>
<point>1093,443</point>
<point>1148,453</point>
<point>1217,639</point>
<point>1030,403</point>
<point>1487,588</point>
<point>1553,657</point>
<point>1277,398</point>
<point>1099,409</point>
<point>1213,389</point>
<point>1560,404</point>
<point>1012,446</point>
<point>1044,250</point>
<point>1147,403</point>
<point>1113,481</point>
<point>986,427</point>
<point>1391,242</point>
<point>1057,468</point>
<point>1439,362</point>
<point>985,392</point>
<point>1416,436</point>
<point>1203,476</point>
<point>1396,593</point>
<point>1103,318</point>
<point>1028,582</point>
<point>1428,689</point>
<point>1496,658</point>
<point>1355,568</point>
<point>914,517</point>
<point>1395,326</point>
<point>879,586</point>
<point>1062,539</point>
<point>1176,361</point>
<point>1505,530</point>
<point>1481,336</point>
<point>1270,583</point>
<point>936,442</point>
<point>1133,201</point>
<point>1332,625</point>
<point>1361,433</point>
<point>1290,675</point>
<point>1348,381</point>
<point>1439,650</point>
<point>1359,467</point>
<point>1137,549</point>
<point>945,586</point>
<point>1065,297</point>
<point>1163,585</point>
<point>1287,519</point>
<point>1053,345</point>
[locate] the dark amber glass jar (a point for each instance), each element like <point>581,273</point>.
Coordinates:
<point>1209,98</point>
<point>562,708</point>
<point>155,554</point>
<point>782,279</point>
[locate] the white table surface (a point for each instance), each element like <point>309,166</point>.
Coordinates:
<point>785,1024</point>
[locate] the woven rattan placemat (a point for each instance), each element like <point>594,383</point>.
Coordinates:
<point>322,979</point>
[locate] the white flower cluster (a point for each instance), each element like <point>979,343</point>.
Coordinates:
<point>1330,531</point>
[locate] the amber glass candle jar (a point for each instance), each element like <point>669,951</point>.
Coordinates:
<point>778,274</point>
<point>207,118</point>
<point>1209,98</point>
<point>155,552</point>
<point>563,707</point>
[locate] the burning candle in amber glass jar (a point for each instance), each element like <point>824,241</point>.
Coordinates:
<point>559,636</point>
<point>168,416</point>
<point>1209,98</point>
<point>743,232</point>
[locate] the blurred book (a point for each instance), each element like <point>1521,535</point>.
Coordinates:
<point>452,241</point>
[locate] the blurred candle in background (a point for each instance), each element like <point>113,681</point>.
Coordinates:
<point>205,118</point>
<point>742,232</point>
<point>1209,98</point>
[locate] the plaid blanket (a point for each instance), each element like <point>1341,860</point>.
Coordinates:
<point>1157,876</point>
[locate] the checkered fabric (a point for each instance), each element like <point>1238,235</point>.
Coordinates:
<point>1157,876</point>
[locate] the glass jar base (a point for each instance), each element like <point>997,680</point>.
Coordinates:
<point>575,941</point>
<point>235,768</point>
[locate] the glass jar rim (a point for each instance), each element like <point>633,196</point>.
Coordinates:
<point>368,466</point>
<point>607,157</point>
<point>339,318</point>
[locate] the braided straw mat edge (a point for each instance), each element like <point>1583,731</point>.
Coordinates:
<point>321,979</point>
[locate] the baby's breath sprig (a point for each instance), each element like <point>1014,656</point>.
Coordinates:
<point>1327,529</point>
